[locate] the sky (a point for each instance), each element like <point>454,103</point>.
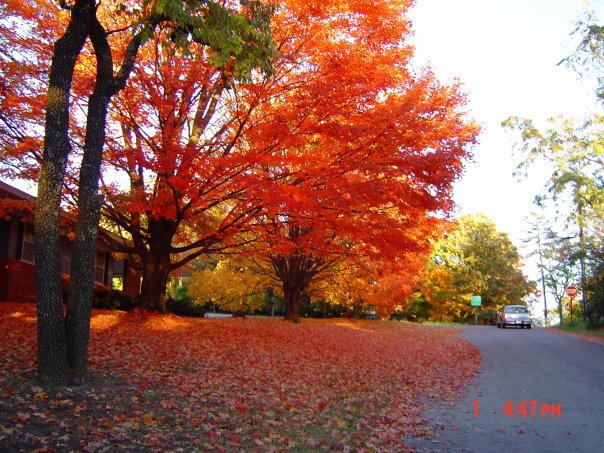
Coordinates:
<point>506,54</point>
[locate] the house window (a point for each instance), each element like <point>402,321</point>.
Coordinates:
<point>99,274</point>
<point>27,246</point>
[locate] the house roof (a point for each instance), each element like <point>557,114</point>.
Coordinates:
<point>8,191</point>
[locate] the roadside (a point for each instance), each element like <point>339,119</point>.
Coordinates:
<point>580,332</point>
<point>536,391</point>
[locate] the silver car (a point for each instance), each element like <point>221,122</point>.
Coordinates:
<point>514,315</point>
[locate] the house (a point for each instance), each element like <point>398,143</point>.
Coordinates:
<point>17,271</point>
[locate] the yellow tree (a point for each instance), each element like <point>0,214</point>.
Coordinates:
<point>474,259</point>
<point>231,285</point>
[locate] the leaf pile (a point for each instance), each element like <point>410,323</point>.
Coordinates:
<point>162,383</point>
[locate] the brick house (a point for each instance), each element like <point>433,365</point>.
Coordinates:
<point>17,272</point>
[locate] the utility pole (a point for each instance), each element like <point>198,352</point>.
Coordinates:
<point>541,266</point>
<point>580,195</point>
<point>583,277</point>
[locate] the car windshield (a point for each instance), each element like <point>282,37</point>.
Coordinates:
<point>516,310</point>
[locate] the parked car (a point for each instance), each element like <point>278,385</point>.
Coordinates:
<point>371,314</point>
<point>514,315</point>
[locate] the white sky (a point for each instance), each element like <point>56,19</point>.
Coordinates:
<point>505,52</point>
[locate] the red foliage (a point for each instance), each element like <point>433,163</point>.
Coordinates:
<point>163,382</point>
<point>346,141</point>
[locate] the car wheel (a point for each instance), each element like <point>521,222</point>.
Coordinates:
<point>528,327</point>
<point>522,326</point>
<point>503,325</point>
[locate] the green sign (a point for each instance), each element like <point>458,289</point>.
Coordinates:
<point>476,301</point>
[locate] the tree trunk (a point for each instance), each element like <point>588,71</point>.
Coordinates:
<point>79,305</point>
<point>156,263</point>
<point>156,271</point>
<point>52,343</point>
<point>295,272</point>
<point>292,295</point>
<point>89,209</point>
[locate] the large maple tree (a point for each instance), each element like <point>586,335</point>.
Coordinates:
<point>237,34</point>
<point>474,258</point>
<point>364,148</point>
<point>176,128</point>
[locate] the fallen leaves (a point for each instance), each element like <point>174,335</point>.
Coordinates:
<point>165,382</point>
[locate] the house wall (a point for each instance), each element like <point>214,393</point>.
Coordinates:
<point>17,276</point>
<point>17,281</point>
<point>17,273</point>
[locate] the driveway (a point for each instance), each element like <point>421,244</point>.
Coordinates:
<point>555,383</point>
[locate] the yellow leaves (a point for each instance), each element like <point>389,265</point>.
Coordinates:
<point>39,393</point>
<point>105,320</point>
<point>148,418</point>
<point>230,284</point>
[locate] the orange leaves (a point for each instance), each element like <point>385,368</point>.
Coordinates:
<point>9,207</point>
<point>370,149</point>
<point>163,382</point>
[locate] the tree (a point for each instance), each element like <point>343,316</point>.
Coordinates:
<point>174,139</point>
<point>558,257</point>
<point>231,285</point>
<point>595,287</point>
<point>349,286</point>
<point>474,259</point>
<point>574,152</point>
<point>560,267</point>
<point>371,147</point>
<point>240,40</point>
<point>536,236</point>
<point>588,57</point>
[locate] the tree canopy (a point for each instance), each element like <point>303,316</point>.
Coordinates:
<point>366,149</point>
<point>344,145</point>
<point>474,258</point>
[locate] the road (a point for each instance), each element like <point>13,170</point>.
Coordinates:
<point>561,379</point>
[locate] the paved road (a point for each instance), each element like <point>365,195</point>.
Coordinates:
<point>526,365</point>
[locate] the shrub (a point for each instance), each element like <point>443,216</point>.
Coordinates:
<point>112,300</point>
<point>185,307</point>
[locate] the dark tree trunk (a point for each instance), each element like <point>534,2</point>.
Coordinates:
<point>52,358</point>
<point>295,272</point>
<point>156,272</point>
<point>292,296</point>
<point>156,264</point>
<point>89,211</point>
<point>63,342</point>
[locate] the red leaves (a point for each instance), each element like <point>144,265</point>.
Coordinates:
<point>162,382</point>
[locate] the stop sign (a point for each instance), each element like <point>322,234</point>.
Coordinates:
<point>571,290</point>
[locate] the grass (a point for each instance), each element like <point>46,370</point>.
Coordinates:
<point>581,327</point>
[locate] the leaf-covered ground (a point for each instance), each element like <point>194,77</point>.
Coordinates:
<point>166,383</point>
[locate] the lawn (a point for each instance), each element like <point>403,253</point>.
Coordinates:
<point>167,383</point>
<point>579,329</point>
